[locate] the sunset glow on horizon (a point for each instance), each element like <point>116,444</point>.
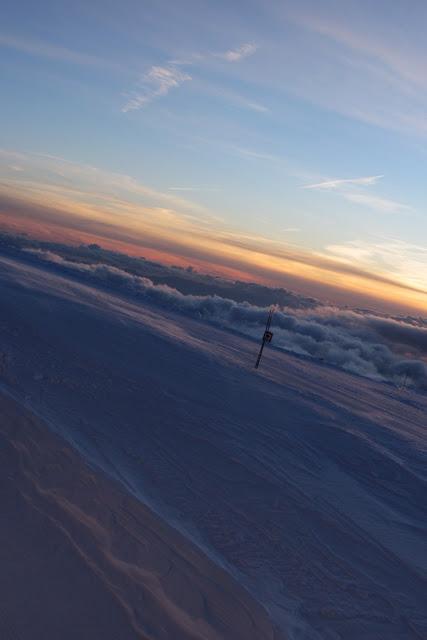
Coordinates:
<point>201,146</point>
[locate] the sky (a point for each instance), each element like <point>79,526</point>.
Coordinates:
<point>281,142</point>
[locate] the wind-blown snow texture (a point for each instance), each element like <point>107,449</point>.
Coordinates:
<point>306,482</point>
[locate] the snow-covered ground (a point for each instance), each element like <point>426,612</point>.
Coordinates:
<point>82,558</point>
<point>305,482</point>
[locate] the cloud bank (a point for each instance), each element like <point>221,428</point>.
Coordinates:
<point>51,197</point>
<point>381,348</point>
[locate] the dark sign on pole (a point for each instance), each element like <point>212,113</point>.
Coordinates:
<point>267,337</point>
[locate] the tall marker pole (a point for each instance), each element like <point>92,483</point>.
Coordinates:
<point>267,337</point>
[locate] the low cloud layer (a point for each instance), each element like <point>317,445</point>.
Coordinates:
<point>377,347</point>
<point>51,197</point>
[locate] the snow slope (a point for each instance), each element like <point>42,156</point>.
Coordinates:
<point>305,482</point>
<point>80,558</point>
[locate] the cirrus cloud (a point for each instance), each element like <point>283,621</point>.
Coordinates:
<point>340,182</point>
<point>157,82</point>
<point>235,55</point>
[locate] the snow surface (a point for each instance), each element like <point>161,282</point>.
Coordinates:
<point>304,481</point>
<point>82,558</point>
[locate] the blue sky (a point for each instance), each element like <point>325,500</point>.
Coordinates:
<point>301,123</point>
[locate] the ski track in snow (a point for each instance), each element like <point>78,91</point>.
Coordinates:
<point>305,482</point>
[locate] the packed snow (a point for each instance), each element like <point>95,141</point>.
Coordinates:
<point>303,481</point>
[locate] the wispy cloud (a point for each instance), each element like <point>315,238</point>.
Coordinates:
<point>336,183</point>
<point>157,82</point>
<point>377,203</point>
<point>349,189</point>
<point>231,55</point>
<point>183,189</point>
<point>56,174</point>
<point>193,188</point>
<point>235,55</point>
<point>364,68</point>
<point>230,96</point>
<point>405,261</point>
<point>406,61</point>
<point>252,153</point>
<point>47,50</point>
<point>255,106</point>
